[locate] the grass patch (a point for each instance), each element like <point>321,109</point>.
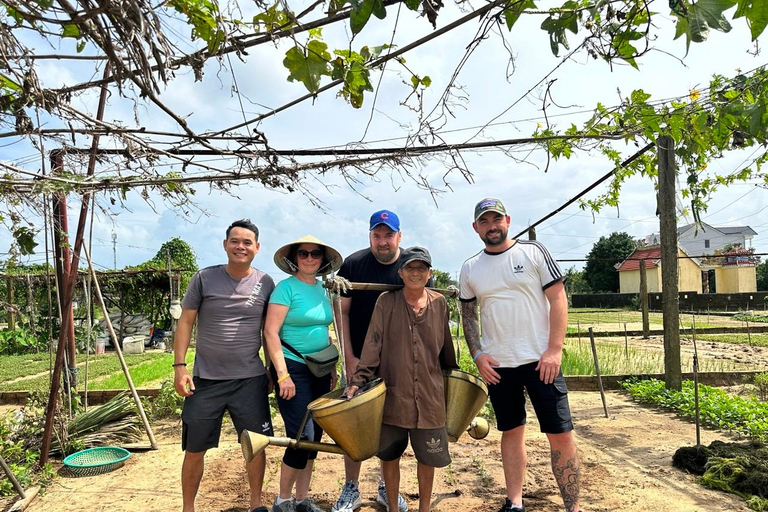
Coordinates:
<point>758,339</point>
<point>578,360</point>
<point>98,366</point>
<point>614,320</point>
<point>147,371</point>
<point>13,367</point>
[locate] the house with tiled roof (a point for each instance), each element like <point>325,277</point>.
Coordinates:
<point>704,239</point>
<point>689,276</point>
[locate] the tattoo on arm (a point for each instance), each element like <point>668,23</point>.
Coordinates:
<point>471,324</point>
<point>567,473</point>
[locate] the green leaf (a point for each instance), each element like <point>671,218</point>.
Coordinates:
<point>415,81</point>
<point>307,67</point>
<point>81,46</point>
<point>361,13</point>
<point>8,83</point>
<point>682,28</point>
<point>514,9</point>
<point>639,96</point>
<point>412,4</point>
<point>702,16</point>
<point>25,237</point>
<point>756,12</point>
<point>627,52</point>
<point>70,30</point>
<point>556,25</point>
<point>271,19</point>
<point>426,81</point>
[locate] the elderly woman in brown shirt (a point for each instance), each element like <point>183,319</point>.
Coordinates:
<point>408,344</point>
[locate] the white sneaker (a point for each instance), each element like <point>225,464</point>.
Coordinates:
<point>349,499</point>
<point>381,497</point>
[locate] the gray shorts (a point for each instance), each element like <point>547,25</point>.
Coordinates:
<point>430,445</point>
<point>245,399</point>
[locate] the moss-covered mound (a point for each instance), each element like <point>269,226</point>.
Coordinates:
<point>738,468</point>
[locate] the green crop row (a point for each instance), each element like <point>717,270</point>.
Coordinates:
<point>717,409</point>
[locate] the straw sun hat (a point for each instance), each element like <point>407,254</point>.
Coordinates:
<point>331,261</point>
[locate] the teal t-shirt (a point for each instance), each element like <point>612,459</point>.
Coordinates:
<point>309,313</point>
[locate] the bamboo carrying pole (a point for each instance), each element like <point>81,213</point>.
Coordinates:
<point>392,287</point>
<point>597,370</point>
<point>108,322</point>
<point>338,328</point>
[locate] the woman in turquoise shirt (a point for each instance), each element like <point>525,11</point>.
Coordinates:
<point>299,314</point>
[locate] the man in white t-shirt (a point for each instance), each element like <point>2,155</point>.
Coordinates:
<point>524,311</point>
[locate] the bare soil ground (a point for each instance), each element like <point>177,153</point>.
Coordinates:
<point>626,461</point>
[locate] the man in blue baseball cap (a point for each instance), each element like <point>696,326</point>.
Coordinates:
<point>377,263</point>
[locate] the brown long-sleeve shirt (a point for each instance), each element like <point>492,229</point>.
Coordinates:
<point>409,351</point>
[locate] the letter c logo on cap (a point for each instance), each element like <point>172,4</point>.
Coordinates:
<point>384,216</point>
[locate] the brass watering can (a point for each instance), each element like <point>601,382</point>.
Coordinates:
<point>355,423</point>
<point>465,395</point>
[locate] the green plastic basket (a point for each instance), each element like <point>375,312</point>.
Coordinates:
<point>95,461</point>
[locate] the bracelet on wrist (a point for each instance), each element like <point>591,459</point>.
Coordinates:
<point>477,354</point>
<point>281,379</point>
<point>174,365</point>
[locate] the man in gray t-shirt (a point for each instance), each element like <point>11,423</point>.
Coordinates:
<point>229,303</point>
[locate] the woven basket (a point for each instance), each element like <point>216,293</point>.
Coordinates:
<point>95,461</point>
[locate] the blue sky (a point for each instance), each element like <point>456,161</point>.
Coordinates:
<point>441,222</point>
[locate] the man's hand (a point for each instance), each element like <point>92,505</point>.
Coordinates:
<point>183,382</point>
<point>270,382</point>
<point>351,364</point>
<point>485,365</point>
<point>549,365</point>
<point>350,391</point>
<point>287,388</point>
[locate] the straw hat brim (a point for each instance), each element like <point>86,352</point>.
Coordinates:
<point>331,255</point>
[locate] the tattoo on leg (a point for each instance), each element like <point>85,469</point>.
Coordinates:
<point>567,474</point>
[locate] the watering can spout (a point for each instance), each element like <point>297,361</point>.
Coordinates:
<point>252,444</point>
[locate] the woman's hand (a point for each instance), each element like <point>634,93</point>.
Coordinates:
<point>287,388</point>
<point>334,379</point>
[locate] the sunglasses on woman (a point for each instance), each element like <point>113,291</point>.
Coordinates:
<point>304,254</point>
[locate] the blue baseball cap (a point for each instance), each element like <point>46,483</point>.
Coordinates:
<point>387,218</point>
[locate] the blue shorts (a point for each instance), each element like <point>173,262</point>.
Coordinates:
<point>245,399</point>
<point>550,401</point>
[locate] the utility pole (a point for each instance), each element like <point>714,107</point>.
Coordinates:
<point>669,265</point>
<point>114,250</point>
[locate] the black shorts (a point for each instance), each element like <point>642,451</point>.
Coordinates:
<point>430,445</point>
<point>245,399</point>
<point>550,401</point>
<point>293,411</point>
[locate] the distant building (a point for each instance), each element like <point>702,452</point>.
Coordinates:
<point>735,272</point>
<point>689,276</point>
<point>706,239</point>
<point>730,272</point>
